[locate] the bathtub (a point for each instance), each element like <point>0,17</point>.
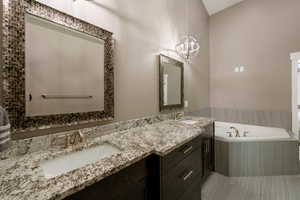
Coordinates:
<point>263,151</point>
<point>253,133</point>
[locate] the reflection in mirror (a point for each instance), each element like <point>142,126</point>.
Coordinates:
<point>64,69</point>
<point>171,83</point>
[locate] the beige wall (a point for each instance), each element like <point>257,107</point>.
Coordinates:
<point>260,35</point>
<point>142,30</point>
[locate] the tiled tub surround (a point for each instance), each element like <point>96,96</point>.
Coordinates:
<point>257,158</point>
<point>279,119</point>
<point>264,151</point>
<point>22,178</point>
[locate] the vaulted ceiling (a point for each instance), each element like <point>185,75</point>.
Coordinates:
<point>215,6</point>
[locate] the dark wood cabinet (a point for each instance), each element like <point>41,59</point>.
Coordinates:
<point>182,176</point>
<point>184,170</point>
<point>128,184</point>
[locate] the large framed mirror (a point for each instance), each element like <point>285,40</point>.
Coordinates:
<point>171,83</point>
<point>57,71</point>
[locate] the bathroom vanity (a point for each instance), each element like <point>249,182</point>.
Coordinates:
<point>160,160</point>
<point>176,175</point>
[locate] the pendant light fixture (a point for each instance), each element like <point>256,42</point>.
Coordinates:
<point>188,46</point>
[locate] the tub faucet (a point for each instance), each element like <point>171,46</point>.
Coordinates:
<point>237,133</point>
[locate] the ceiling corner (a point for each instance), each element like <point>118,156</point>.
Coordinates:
<point>215,6</point>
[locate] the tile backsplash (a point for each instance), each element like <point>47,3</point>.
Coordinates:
<point>34,144</point>
<point>279,119</point>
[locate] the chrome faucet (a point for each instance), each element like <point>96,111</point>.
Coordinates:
<point>237,133</point>
<point>75,139</point>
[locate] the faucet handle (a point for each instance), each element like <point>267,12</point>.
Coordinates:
<point>229,133</point>
<point>70,140</point>
<point>81,136</point>
<point>74,139</point>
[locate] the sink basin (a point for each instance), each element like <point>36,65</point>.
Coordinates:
<point>69,162</point>
<point>189,122</point>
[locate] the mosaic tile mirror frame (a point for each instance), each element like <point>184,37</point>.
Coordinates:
<point>13,68</point>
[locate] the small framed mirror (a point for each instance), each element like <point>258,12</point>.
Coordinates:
<point>171,83</point>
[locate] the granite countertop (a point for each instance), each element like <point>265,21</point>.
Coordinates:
<point>22,177</point>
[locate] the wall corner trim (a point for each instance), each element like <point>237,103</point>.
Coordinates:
<point>295,56</point>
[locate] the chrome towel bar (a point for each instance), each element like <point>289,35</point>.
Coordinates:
<point>45,96</point>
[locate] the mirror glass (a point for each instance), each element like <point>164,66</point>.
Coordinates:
<point>64,69</point>
<point>171,83</point>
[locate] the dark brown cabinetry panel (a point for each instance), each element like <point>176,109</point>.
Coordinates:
<point>182,176</point>
<point>206,157</point>
<point>128,184</point>
<point>208,151</point>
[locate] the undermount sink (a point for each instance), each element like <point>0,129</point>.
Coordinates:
<point>69,162</point>
<point>189,122</point>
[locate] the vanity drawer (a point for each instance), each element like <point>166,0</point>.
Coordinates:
<point>182,176</point>
<point>193,192</point>
<point>179,154</point>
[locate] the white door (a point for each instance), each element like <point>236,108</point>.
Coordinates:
<point>295,57</point>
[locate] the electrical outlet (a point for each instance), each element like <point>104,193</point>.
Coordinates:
<point>186,104</point>
<point>242,68</point>
<point>239,69</point>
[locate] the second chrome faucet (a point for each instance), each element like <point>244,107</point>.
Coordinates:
<point>237,133</point>
<point>74,139</point>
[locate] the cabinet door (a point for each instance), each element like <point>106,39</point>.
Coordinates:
<point>207,156</point>
<point>138,192</point>
<point>208,151</point>
<point>128,184</point>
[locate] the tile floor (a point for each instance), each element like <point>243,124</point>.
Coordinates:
<point>219,187</point>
